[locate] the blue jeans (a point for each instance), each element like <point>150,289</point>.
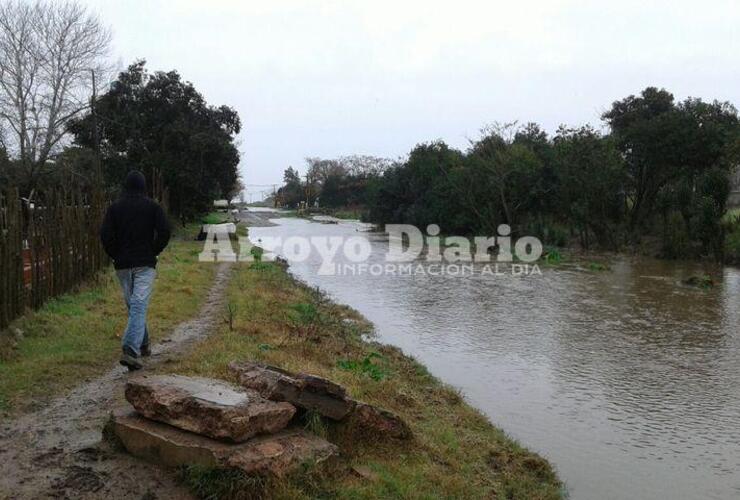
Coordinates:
<point>137,284</point>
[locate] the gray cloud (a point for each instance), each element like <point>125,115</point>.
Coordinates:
<point>328,78</point>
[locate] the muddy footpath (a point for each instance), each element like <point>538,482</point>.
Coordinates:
<point>57,452</point>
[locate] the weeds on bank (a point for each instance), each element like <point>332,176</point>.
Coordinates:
<point>366,366</point>
<point>303,316</point>
<point>230,314</point>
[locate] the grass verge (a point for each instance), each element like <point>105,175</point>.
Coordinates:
<point>76,336</point>
<point>216,218</point>
<point>455,452</point>
<point>352,214</point>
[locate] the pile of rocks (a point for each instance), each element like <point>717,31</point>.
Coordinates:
<point>197,421</point>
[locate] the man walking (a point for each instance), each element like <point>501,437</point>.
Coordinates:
<point>135,230</point>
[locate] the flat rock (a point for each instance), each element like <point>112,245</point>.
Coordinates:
<point>276,454</point>
<point>209,407</point>
<point>305,391</point>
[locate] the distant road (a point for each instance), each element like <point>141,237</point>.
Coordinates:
<point>258,217</point>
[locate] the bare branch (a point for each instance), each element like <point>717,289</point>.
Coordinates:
<point>48,51</point>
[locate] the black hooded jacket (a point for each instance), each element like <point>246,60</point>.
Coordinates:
<point>135,228</point>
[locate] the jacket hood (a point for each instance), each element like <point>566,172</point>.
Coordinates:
<point>135,183</point>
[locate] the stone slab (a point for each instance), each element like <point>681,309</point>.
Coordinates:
<point>209,407</point>
<point>275,454</point>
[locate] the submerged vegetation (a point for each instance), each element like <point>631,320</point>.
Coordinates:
<point>704,281</point>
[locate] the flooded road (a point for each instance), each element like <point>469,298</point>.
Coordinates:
<point>628,381</point>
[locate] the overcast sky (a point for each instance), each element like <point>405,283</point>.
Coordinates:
<point>332,78</point>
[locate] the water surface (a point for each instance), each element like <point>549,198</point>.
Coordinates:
<point>626,380</point>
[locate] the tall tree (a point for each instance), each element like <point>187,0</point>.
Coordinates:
<point>49,53</point>
<point>662,142</point>
<point>419,191</point>
<point>509,168</point>
<point>291,193</point>
<point>158,121</point>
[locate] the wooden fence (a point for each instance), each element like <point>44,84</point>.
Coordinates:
<point>48,246</point>
<point>51,244</point>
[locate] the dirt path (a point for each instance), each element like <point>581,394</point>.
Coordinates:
<point>56,452</point>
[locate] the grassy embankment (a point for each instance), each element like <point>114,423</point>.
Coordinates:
<point>456,452</point>
<point>75,336</point>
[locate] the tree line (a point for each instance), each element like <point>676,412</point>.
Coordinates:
<point>57,126</point>
<point>336,183</point>
<point>656,178</point>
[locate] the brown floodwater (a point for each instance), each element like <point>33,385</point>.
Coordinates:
<point>625,379</point>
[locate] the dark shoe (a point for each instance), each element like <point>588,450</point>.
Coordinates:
<point>130,360</point>
<point>146,350</point>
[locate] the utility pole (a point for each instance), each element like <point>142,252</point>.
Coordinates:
<point>308,191</point>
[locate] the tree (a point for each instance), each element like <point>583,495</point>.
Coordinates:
<point>419,191</point>
<point>713,187</point>
<point>339,182</point>
<point>160,122</point>
<point>505,164</point>
<point>5,172</point>
<point>333,194</point>
<point>343,182</point>
<point>320,169</point>
<point>49,52</point>
<point>365,166</point>
<point>667,147</point>
<point>237,191</point>
<point>291,194</point>
<point>591,180</point>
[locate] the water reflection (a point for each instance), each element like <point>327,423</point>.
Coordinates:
<point>628,381</point>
